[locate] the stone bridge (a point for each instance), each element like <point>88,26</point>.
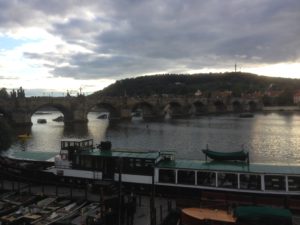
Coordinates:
<point>76,109</point>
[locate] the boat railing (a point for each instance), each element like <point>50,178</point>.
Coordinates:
<point>167,155</point>
<point>63,167</point>
<point>63,164</point>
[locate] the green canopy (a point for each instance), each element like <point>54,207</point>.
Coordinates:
<point>264,215</point>
<point>239,155</point>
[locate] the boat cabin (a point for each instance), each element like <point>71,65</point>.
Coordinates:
<point>229,176</point>
<point>69,147</point>
<point>110,163</point>
<point>78,158</point>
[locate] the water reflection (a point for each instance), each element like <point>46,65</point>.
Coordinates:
<point>268,137</point>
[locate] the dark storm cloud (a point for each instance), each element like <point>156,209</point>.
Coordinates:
<point>102,66</point>
<point>128,37</point>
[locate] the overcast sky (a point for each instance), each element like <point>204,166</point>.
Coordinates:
<point>58,45</point>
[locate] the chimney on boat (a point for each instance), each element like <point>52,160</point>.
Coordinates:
<point>105,145</point>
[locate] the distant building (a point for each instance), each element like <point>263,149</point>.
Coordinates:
<point>198,93</point>
<point>221,94</point>
<point>273,93</point>
<point>256,94</point>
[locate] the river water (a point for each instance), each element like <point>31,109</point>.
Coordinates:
<point>271,138</point>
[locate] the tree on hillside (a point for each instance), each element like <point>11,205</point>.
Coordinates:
<point>240,84</point>
<point>3,93</point>
<point>20,93</point>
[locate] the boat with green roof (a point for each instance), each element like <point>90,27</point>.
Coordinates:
<point>80,160</point>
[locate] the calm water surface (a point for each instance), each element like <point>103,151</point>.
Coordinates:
<point>272,138</point>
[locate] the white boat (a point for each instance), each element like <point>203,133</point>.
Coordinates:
<point>41,121</point>
<point>79,159</point>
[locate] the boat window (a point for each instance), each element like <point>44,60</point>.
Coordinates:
<point>148,163</point>
<point>274,183</point>
<point>206,179</point>
<point>131,163</point>
<point>64,156</point>
<point>166,176</point>
<point>86,162</point>
<point>186,177</point>
<point>138,163</point>
<point>250,181</point>
<point>137,166</point>
<point>294,183</point>
<point>227,180</point>
<point>127,164</point>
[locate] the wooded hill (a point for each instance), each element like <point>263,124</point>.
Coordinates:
<point>187,84</point>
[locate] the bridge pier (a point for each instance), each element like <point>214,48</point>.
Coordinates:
<point>125,114</point>
<point>78,116</point>
<point>21,118</point>
<point>211,108</point>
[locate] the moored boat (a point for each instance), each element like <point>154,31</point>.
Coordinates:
<point>103,116</point>
<point>61,213</point>
<point>41,121</point>
<point>262,215</point>
<point>80,160</point>
<point>240,215</point>
<point>193,216</point>
<point>14,201</point>
<point>80,218</point>
<point>238,155</point>
<point>24,136</point>
<point>59,119</point>
<point>40,212</point>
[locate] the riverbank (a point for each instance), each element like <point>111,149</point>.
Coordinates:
<point>5,135</point>
<point>280,108</point>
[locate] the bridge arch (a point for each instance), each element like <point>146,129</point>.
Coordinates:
<point>146,109</point>
<point>237,106</point>
<point>67,114</point>
<point>114,113</point>
<point>220,106</point>
<point>252,106</point>
<point>173,109</point>
<point>199,108</point>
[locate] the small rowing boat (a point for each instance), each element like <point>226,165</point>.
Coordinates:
<point>24,136</point>
<point>223,156</point>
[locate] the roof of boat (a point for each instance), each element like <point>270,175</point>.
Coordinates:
<point>251,213</point>
<point>32,155</point>
<point>184,164</point>
<point>123,154</point>
<point>76,139</point>
<point>242,167</point>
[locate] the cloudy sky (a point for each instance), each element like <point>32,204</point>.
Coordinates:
<point>58,45</point>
